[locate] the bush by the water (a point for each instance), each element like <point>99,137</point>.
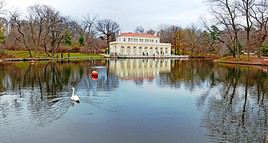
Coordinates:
<point>265,51</point>
<point>4,54</point>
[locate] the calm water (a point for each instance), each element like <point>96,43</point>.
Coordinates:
<point>134,101</point>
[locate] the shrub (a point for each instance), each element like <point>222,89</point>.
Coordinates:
<point>82,41</point>
<point>4,54</point>
<point>265,51</point>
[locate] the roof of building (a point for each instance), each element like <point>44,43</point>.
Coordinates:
<point>130,34</point>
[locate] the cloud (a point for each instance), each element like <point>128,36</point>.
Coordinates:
<point>128,13</point>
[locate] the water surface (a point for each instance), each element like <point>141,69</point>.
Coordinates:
<point>147,101</point>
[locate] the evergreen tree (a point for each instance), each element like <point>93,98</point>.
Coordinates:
<point>68,38</point>
<point>215,33</point>
<point>81,41</point>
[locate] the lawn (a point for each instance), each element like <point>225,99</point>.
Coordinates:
<point>73,56</point>
<point>231,58</point>
<point>254,60</point>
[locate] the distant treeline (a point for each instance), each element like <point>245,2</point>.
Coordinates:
<point>44,29</point>
<point>238,26</point>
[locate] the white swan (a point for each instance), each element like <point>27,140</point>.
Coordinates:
<point>75,97</point>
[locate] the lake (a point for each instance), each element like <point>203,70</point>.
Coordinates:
<point>133,101</point>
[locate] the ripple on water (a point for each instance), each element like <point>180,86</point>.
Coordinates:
<point>19,117</point>
<point>133,101</point>
<point>242,120</point>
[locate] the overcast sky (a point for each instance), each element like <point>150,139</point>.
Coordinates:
<point>127,13</point>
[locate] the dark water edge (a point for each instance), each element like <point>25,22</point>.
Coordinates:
<point>144,100</point>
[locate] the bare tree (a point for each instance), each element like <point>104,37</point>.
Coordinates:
<point>37,14</point>
<point>151,31</point>
<point>139,29</point>
<point>108,29</point>
<point>180,39</point>
<point>166,33</point>
<point>192,38</point>
<point>42,27</point>
<point>213,38</point>
<point>225,13</point>
<point>3,23</point>
<point>171,34</point>
<point>89,31</point>
<point>88,26</point>
<point>246,7</point>
<point>23,31</point>
<point>259,16</point>
<point>55,30</point>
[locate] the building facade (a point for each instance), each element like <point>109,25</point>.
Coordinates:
<point>135,44</point>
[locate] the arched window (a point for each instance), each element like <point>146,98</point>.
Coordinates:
<point>166,50</point>
<point>122,50</point>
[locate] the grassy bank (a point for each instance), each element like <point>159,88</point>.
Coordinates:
<point>254,60</point>
<point>24,56</point>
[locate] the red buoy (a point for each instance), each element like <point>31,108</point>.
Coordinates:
<point>94,75</point>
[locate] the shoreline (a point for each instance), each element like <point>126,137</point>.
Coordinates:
<point>20,56</point>
<point>48,59</point>
<point>101,56</point>
<point>241,63</point>
<point>260,62</point>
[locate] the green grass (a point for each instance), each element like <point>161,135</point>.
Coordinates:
<point>25,54</point>
<point>254,60</point>
<point>82,56</point>
<point>231,59</point>
<point>73,56</point>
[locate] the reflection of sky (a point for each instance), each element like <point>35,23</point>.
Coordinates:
<point>115,110</point>
<point>21,116</point>
<point>150,113</point>
<point>105,82</point>
<point>162,113</point>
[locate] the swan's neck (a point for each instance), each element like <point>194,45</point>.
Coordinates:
<point>73,92</point>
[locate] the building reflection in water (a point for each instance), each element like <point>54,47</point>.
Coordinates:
<point>139,69</point>
<point>233,108</point>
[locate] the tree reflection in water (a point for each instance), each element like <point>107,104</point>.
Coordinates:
<point>238,116</point>
<point>235,103</point>
<point>44,88</point>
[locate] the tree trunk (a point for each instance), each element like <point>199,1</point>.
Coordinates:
<point>248,44</point>
<point>30,53</point>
